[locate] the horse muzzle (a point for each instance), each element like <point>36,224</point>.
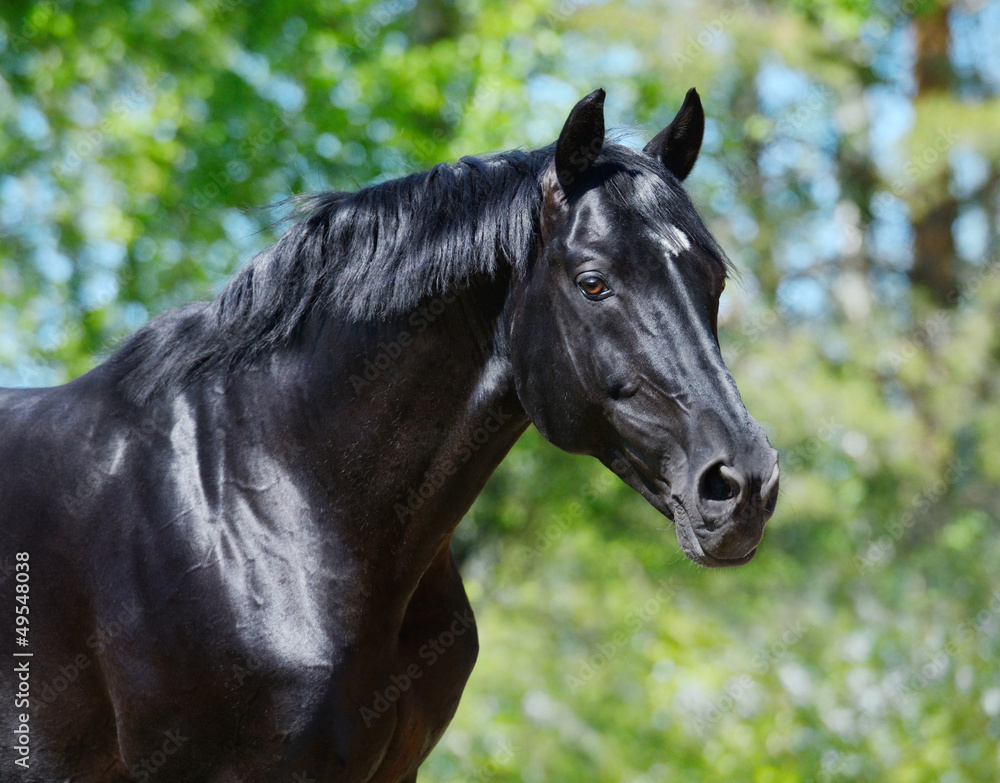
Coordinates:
<point>724,521</point>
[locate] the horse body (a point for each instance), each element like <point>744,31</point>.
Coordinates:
<point>238,526</point>
<point>230,550</point>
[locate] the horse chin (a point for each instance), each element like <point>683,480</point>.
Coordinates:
<point>692,547</point>
<point>658,494</point>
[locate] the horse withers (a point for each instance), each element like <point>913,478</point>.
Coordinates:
<point>225,550</point>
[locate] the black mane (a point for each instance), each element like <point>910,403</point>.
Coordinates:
<point>377,253</point>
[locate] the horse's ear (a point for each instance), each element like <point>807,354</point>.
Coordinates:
<point>581,139</point>
<point>677,145</point>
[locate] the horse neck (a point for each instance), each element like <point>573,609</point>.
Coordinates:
<point>411,417</point>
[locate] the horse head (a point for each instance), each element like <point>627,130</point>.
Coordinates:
<point>614,339</point>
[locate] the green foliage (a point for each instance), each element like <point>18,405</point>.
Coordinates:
<point>139,144</point>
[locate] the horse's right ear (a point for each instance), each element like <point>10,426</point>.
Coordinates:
<point>581,140</point>
<point>678,144</point>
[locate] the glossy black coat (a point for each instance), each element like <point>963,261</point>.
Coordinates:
<point>240,570</point>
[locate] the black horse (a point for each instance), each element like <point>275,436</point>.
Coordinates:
<point>225,550</point>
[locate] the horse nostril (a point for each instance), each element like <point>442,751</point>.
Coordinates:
<point>769,492</point>
<point>720,482</point>
<point>772,503</point>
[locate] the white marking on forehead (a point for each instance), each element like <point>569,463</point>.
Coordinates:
<point>674,240</point>
<point>693,362</point>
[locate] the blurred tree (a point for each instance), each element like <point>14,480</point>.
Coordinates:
<point>934,262</point>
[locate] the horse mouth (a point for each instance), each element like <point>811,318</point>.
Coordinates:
<point>673,508</point>
<point>692,547</point>
<point>657,492</point>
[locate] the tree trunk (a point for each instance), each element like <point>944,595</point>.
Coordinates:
<point>935,267</point>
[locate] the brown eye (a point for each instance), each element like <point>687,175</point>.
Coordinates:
<point>723,285</point>
<point>593,286</point>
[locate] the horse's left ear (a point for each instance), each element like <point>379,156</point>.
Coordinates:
<point>581,140</point>
<point>677,145</point>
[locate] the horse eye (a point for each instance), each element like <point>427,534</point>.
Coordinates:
<point>593,286</point>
